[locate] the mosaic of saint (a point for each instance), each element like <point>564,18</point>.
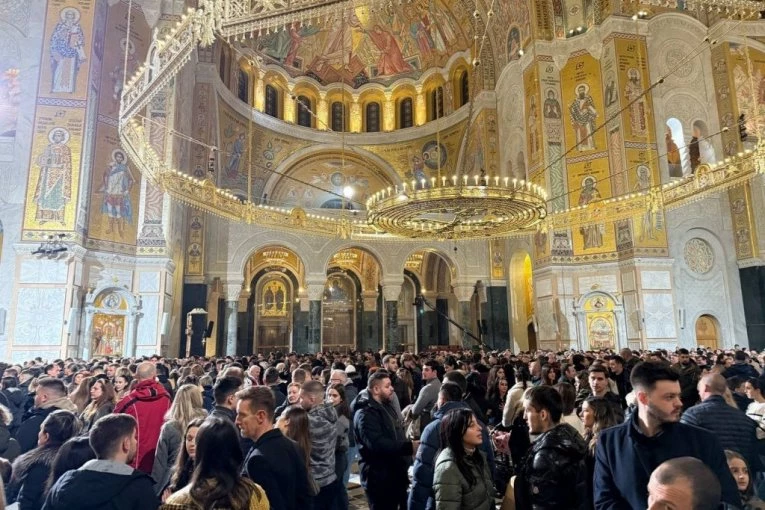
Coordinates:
<point>400,40</point>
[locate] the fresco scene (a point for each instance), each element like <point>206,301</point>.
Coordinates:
<point>401,40</point>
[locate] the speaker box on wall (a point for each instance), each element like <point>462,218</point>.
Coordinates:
<point>208,331</point>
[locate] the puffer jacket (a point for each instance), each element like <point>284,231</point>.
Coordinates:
<point>454,492</point>
<point>323,428</point>
<point>553,474</point>
<point>147,403</point>
<point>421,495</point>
<point>744,370</point>
<point>735,430</point>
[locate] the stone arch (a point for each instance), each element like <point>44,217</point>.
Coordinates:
<point>257,242</point>
<point>96,305</point>
<point>449,260</point>
<point>359,154</point>
<point>369,250</point>
<point>521,261</point>
<point>295,265</point>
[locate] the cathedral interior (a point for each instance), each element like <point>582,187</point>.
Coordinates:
<point>235,176</point>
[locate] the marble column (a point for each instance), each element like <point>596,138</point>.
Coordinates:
<point>306,336</point>
<point>420,108</point>
<point>391,293</point>
<point>464,293</point>
<point>494,310</point>
<point>429,321</point>
<point>369,336</point>
<point>232,291</point>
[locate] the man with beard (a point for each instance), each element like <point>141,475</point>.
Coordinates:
<point>627,454</point>
<point>383,447</point>
<point>689,378</point>
<point>553,474</point>
<point>108,481</point>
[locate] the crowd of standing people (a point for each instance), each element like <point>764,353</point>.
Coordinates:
<point>442,430</point>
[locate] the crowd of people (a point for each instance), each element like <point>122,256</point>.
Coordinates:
<point>442,430</point>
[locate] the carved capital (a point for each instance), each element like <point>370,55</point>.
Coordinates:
<point>232,290</point>
<point>315,291</point>
<point>391,292</point>
<point>464,292</point>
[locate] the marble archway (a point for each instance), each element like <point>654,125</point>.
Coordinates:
<point>111,323</point>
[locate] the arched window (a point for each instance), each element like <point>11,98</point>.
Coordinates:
<point>706,149</point>
<point>406,119</point>
<point>304,108</point>
<point>243,84</point>
<point>464,88</point>
<point>272,101</point>
<point>338,116</point>
<point>373,117</point>
<point>437,103</point>
<point>678,159</point>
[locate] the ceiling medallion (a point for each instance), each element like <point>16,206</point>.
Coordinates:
<point>485,207</point>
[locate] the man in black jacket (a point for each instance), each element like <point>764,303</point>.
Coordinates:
<point>224,391</point>
<point>735,430</point>
<point>275,462</point>
<point>627,454</point>
<point>108,482</point>
<point>553,474</point>
<point>382,446</point>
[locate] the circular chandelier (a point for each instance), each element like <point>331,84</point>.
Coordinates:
<point>450,209</point>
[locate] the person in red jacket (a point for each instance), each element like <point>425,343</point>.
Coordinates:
<point>147,403</point>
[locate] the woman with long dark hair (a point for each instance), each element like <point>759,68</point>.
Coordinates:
<point>31,470</point>
<point>462,479</point>
<point>72,455</point>
<point>101,402</point>
<point>496,396</point>
<point>336,397</point>
<point>597,415</point>
<point>294,424</point>
<point>216,481</point>
<point>184,463</point>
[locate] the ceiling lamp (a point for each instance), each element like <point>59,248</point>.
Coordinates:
<point>458,209</point>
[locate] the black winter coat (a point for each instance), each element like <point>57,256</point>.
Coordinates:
<point>277,464</point>
<point>625,459</point>
<point>30,472</point>
<point>553,474</point>
<point>744,370</point>
<point>26,435</point>
<point>383,448</point>
<point>16,400</point>
<point>93,490</point>
<point>732,427</point>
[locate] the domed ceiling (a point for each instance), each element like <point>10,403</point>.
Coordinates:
<point>401,40</point>
<point>325,181</point>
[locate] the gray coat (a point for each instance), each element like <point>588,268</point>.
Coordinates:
<point>168,446</point>
<point>323,430</point>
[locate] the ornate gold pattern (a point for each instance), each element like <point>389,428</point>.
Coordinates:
<point>438,210</point>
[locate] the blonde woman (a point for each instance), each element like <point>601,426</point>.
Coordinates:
<point>187,406</point>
